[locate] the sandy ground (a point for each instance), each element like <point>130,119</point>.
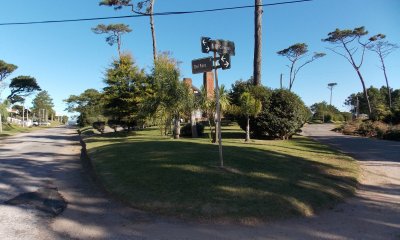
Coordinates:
<point>50,158</point>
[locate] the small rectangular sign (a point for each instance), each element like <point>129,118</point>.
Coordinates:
<point>205,44</point>
<point>223,47</point>
<point>202,65</point>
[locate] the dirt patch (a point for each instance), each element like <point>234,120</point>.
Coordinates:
<point>46,200</point>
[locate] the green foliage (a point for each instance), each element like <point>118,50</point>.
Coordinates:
<point>372,129</point>
<point>340,36</point>
<point>42,101</point>
<point>171,99</point>
<point>21,87</point>
<point>393,134</point>
<point>249,105</point>
<point>114,124</point>
<point>126,87</point>
<point>99,126</point>
<point>64,119</point>
<point>260,93</point>
<point>328,113</point>
<point>282,116</point>
<point>379,99</point>
<point>114,33</point>
<point>88,104</point>
<point>186,130</point>
<point>118,4</point>
<point>3,110</point>
<point>6,69</point>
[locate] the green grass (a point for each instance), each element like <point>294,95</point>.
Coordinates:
<point>263,180</point>
<point>10,129</point>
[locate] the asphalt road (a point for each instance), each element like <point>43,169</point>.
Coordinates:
<point>50,159</point>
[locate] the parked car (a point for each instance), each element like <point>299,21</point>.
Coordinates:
<point>35,123</point>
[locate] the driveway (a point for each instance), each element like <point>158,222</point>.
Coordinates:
<point>50,159</point>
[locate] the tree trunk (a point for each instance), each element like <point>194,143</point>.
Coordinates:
<point>153,31</point>
<point>212,138</point>
<point>119,46</point>
<point>1,124</point>
<point>387,83</point>
<point>257,42</point>
<point>365,91</point>
<point>177,127</point>
<point>247,130</point>
<point>193,124</point>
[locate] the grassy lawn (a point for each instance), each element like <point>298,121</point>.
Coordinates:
<point>263,180</point>
<point>11,129</point>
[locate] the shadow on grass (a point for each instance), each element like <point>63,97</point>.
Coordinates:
<point>181,178</point>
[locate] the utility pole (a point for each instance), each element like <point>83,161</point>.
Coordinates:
<point>330,87</point>
<point>281,81</point>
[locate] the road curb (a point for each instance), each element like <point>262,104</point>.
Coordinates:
<point>88,167</point>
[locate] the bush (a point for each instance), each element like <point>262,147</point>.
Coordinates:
<point>372,129</point>
<point>186,131</point>
<point>347,116</point>
<point>114,124</point>
<point>99,126</point>
<point>328,118</point>
<point>282,116</point>
<point>393,134</point>
<point>128,125</point>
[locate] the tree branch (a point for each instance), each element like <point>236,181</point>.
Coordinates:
<point>341,54</point>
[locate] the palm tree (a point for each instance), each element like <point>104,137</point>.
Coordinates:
<point>249,106</point>
<point>207,106</point>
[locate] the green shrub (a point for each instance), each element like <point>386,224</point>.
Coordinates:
<point>372,129</point>
<point>99,126</point>
<point>186,131</point>
<point>114,124</point>
<point>328,118</point>
<point>347,116</point>
<point>393,134</point>
<point>283,114</point>
<point>128,124</point>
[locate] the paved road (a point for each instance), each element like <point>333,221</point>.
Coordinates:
<point>50,158</point>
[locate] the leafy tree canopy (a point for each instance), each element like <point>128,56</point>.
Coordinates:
<point>118,4</point>
<point>346,35</point>
<point>89,105</point>
<point>6,69</point>
<point>113,31</point>
<point>126,86</point>
<point>42,101</point>
<point>294,53</point>
<point>21,87</point>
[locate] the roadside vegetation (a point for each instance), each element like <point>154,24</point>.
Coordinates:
<point>12,129</point>
<point>265,179</point>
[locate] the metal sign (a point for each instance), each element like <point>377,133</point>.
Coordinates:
<point>225,61</point>
<point>223,47</point>
<point>205,45</point>
<point>202,65</point>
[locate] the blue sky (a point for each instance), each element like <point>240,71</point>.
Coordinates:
<point>68,58</point>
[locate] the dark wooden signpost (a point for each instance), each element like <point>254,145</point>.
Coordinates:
<point>225,49</point>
